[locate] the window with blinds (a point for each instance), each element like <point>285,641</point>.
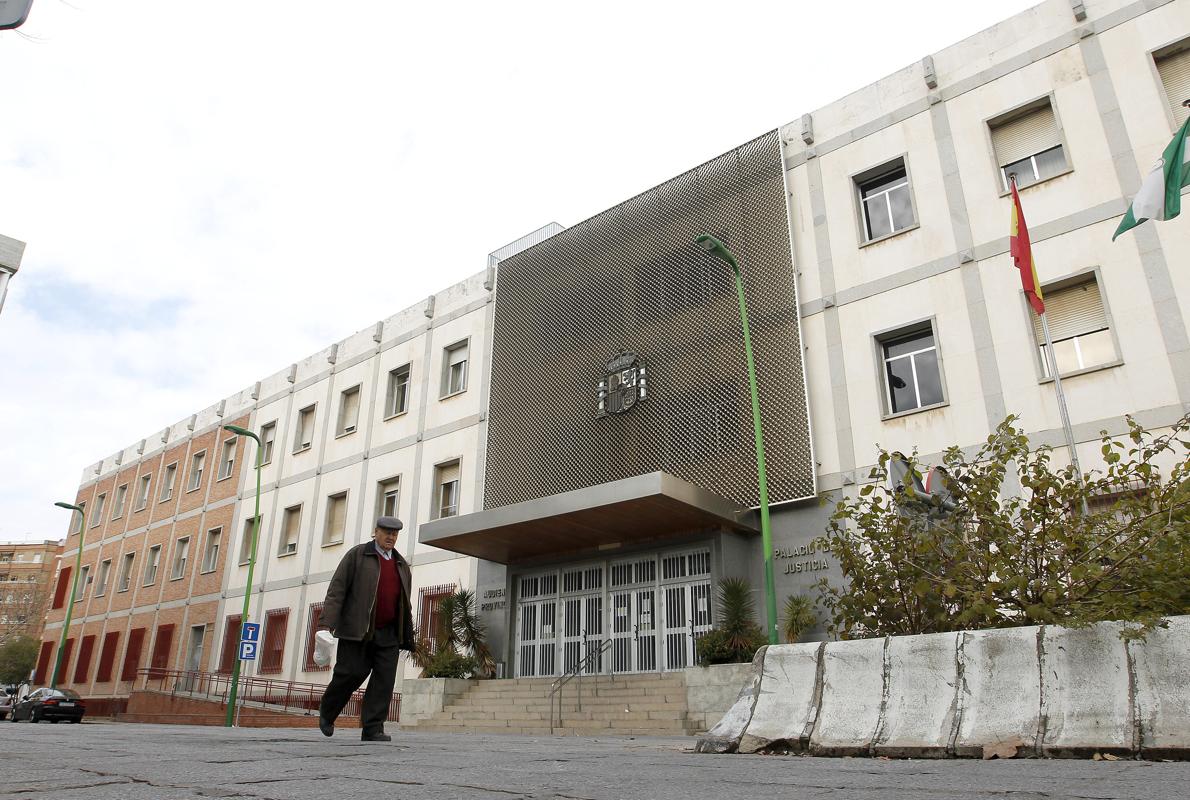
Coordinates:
<point>1173,65</point>
<point>291,523</point>
<point>84,663</point>
<point>1078,327</point>
<point>454,368</point>
<point>311,630</point>
<point>136,640</point>
<point>231,644</point>
<point>348,412</point>
<point>446,499</point>
<point>276,623</point>
<point>336,519</point>
<point>107,656</point>
<point>1028,146</point>
<point>162,648</point>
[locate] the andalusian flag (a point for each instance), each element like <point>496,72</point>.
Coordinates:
<point>1022,254</point>
<point>1160,195</point>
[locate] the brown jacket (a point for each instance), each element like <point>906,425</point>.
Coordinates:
<point>349,611</point>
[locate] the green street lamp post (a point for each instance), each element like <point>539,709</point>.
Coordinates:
<point>78,565</point>
<point>235,670</point>
<point>720,251</point>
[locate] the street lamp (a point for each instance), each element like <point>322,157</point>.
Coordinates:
<point>78,565</point>
<point>720,251</point>
<point>235,669</point>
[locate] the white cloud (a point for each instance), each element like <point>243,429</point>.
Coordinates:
<point>222,189</point>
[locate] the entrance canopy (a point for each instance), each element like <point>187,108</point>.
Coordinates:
<point>603,517</point>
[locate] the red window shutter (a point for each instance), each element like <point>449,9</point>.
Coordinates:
<point>315,619</point>
<point>60,589</point>
<point>107,656</point>
<point>276,624</point>
<point>84,663</point>
<point>66,651</point>
<point>161,648</point>
<point>42,675</point>
<point>136,640</point>
<point>231,644</point>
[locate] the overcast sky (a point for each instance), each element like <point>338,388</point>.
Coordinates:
<point>211,191</point>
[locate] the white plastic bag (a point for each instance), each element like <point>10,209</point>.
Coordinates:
<point>324,648</point>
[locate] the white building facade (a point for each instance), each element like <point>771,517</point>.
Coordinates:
<point>909,330</point>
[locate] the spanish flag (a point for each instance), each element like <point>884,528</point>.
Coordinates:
<point>1022,254</point>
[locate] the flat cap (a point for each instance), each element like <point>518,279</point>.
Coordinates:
<point>390,523</point>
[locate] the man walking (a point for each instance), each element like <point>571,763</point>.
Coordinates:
<point>367,609</point>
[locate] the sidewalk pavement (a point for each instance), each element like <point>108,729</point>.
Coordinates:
<point>99,760</point>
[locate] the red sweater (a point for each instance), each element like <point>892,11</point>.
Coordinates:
<point>387,591</point>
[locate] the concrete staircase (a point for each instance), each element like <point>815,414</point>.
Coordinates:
<point>647,705</point>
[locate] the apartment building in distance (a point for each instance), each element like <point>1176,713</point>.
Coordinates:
<point>26,572</point>
<point>568,432</point>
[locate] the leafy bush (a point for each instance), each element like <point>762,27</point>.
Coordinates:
<point>1064,549</point>
<point>737,637</point>
<point>799,617</point>
<point>17,657</point>
<point>458,647</point>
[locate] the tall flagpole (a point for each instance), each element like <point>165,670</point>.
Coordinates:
<point>1032,285</point>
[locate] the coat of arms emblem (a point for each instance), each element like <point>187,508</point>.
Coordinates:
<point>623,385</point>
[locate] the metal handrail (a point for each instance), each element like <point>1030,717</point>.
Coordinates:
<point>288,695</point>
<point>575,672</point>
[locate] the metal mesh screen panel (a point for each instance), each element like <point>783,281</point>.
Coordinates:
<point>632,279</point>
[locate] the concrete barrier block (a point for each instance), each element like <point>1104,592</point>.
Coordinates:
<point>724,737</point>
<point>786,705</point>
<point>1085,695</point>
<point>852,696</point>
<point>922,696</point>
<point>1000,697</point>
<point>1161,665</point>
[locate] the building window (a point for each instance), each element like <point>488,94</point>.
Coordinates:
<point>210,556</point>
<point>181,556</point>
<point>105,568</point>
<point>886,204</point>
<point>246,540</point>
<point>304,436</point>
<point>276,623</point>
<point>454,369</point>
<point>151,562</point>
<point>107,656</point>
<point>84,576</point>
<point>167,482</point>
<point>227,459</point>
<point>348,412</point>
<point>388,497</point>
<point>1078,327</point>
<point>1028,145</point>
<point>60,588</point>
<point>136,640</point>
<point>268,435</point>
<point>231,644</point>
<point>196,466</point>
<point>1173,65</point>
<point>311,630</point>
<point>125,578</point>
<point>77,527</point>
<point>291,523</point>
<point>910,365</point>
<point>162,647</point>
<point>396,400</point>
<point>446,490</point>
<point>142,492</point>
<point>429,608</point>
<point>97,511</point>
<point>118,504</point>
<point>336,519</point>
<point>84,663</point>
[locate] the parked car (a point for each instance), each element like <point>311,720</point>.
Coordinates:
<point>6,703</point>
<point>50,704</point>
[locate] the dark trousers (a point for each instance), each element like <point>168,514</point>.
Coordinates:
<point>354,662</point>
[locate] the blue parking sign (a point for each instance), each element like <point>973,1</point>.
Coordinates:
<point>250,632</point>
<point>247,651</point>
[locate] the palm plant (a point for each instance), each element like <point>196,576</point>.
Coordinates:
<point>799,617</point>
<point>457,647</point>
<point>737,636</point>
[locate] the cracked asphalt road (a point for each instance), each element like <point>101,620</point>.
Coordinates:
<point>99,760</point>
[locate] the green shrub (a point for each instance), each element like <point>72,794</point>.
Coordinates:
<point>799,617</point>
<point>737,637</point>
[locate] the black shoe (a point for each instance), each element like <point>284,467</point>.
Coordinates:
<point>326,726</point>
<point>376,737</point>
